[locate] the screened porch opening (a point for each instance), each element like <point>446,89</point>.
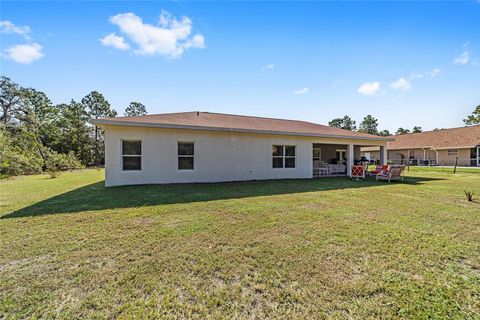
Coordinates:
<point>329,160</point>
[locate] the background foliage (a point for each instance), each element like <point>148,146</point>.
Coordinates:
<point>38,136</point>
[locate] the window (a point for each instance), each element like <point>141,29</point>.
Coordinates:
<point>185,155</point>
<point>132,155</point>
<point>289,156</point>
<point>452,152</point>
<point>283,156</point>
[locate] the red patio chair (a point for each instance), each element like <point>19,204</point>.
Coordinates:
<point>378,169</point>
<point>358,172</point>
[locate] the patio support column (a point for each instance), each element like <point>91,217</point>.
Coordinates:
<point>478,156</point>
<point>350,156</point>
<point>383,155</point>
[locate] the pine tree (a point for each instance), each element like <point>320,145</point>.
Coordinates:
<point>135,109</point>
<point>369,125</point>
<point>474,118</point>
<point>344,123</point>
<point>98,107</point>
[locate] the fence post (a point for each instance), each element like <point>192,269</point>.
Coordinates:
<point>455,167</point>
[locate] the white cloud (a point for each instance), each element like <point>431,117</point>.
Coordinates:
<point>170,37</point>
<point>9,27</point>
<point>25,53</point>
<point>268,67</point>
<point>303,90</point>
<point>198,41</point>
<point>21,53</point>
<point>426,74</point>
<point>401,84</point>
<point>369,88</point>
<point>416,75</point>
<point>433,73</point>
<point>115,41</point>
<point>464,57</point>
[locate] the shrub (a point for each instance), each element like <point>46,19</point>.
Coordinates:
<point>15,159</point>
<point>57,162</point>
<point>469,195</point>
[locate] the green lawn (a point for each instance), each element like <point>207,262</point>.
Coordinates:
<point>325,248</point>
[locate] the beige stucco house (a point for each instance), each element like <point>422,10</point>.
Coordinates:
<point>441,147</point>
<point>212,147</point>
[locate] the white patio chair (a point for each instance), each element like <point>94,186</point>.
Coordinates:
<point>394,173</point>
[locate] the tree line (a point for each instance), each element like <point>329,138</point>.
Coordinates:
<point>39,136</point>
<point>369,124</point>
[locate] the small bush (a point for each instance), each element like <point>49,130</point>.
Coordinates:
<point>469,195</point>
<point>17,157</point>
<point>55,163</point>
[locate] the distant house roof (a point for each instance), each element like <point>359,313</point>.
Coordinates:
<point>237,123</point>
<point>465,137</point>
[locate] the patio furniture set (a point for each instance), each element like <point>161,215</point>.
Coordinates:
<point>381,172</point>
<point>321,168</point>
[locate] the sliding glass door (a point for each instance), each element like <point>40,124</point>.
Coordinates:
<point>341,156</point>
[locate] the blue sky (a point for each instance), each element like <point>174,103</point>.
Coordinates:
<point>406,63</point>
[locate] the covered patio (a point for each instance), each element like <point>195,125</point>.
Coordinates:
<point>336,160</point>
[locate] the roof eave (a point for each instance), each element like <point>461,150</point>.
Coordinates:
<point>457,147</point>
<point>430,147</point>
<point>106,122</point>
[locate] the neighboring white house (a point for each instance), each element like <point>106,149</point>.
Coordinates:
<point>212,147</point>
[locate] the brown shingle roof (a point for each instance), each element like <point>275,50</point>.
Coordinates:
<point>466,137</point>
<point>229,122</point>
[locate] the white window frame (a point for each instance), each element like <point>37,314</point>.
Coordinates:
<point>132,155</point>
<point>452,152</point>
<point>186,156</point>
<point>284,156</point>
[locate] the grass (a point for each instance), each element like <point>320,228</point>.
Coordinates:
<point>324,248</point>
<point>446,169</point>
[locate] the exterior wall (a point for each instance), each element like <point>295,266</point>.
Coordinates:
<point>219,156</point>
<point>375,155</point>
<point>464,156</point>
<point>418,154</point>
<point>356,152</point>
<point>399,155</point>
<point>405,154</point>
